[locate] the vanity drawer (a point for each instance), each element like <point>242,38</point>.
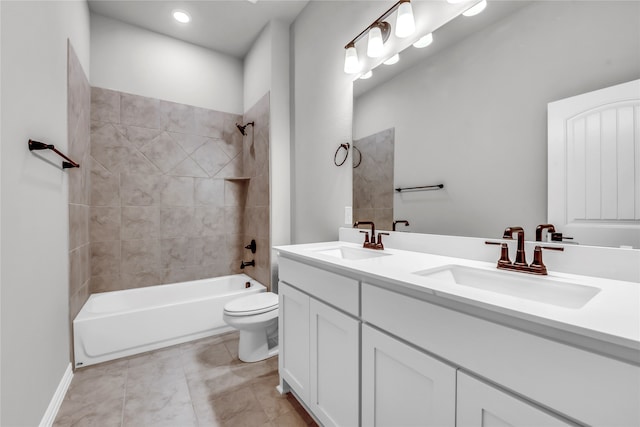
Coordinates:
<point>334,289</point>
<point>579,384</point>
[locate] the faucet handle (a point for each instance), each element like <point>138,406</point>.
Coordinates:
<point>537,263</point>
<point>504,252</point>
<point>366,239</point>
<point>379,245</point>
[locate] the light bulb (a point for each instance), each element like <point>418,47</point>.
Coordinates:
<point>405,24</point>
<point>366,75</point>
<point>181,16</point>
<point>424,41</point>
<point>351,63</point>
<point>476,9</point>
<point>395,58</point>
<point>375,45</point>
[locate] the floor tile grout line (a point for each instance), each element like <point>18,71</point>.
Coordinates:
<point>186,380</point>
<point>124,395</point>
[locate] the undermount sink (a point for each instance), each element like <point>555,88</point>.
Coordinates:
<point>535,288</point>
<point>344,252</point>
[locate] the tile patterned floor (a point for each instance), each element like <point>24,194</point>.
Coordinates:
<point>200,383</point>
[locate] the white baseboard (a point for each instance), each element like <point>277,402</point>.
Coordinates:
<point>56,401</point>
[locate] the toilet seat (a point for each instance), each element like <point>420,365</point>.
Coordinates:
<point>250,305</point>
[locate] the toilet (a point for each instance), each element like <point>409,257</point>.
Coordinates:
<point>256,317</point>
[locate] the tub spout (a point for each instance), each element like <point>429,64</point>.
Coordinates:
<point>251,263</point>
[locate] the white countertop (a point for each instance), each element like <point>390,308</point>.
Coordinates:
<point>610,321</point>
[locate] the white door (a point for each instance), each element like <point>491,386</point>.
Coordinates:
<point>594,166</point>
<point>293,330</point>
<point>402,386</point>
<point>481,405</point>
<point>335,378</point>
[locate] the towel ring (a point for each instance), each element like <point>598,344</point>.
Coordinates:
<point>346,149</point>
<point>359,156</point>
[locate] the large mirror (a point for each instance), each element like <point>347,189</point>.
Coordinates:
<point>471,114</point>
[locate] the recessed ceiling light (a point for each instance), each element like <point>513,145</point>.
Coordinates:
<point>476,9</point>
<point>395,58</point>
<point>424,41</point>
<point>181,16</point>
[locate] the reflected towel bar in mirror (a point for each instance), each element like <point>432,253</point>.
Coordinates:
<point>422,188</point>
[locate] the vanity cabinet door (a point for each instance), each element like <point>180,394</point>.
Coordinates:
<point>294,339</point>
<point>402,386</point>
<point>480,404</point>
<point>335,378</point>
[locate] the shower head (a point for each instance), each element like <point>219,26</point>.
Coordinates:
<point>242,128</point>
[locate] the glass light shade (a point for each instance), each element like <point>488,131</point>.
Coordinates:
<point>351,63</point>
<point>395,58</point>
<point>366,75</point>
<point>405,24</point>
<point>181,16</point>
<point>476,9</point>
<point>375,45</point>
<point>424,41</point>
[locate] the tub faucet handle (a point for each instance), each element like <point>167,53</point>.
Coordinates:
<point>252,246</point>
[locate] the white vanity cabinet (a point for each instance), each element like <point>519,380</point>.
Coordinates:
<point>293,325</point>
<point>481,405</point>
<point>372,352</point>
<point>402,386</point>
<point>334,361</point>
<point>320,341</point>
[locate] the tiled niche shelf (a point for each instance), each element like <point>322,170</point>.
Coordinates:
<point>237,178</point>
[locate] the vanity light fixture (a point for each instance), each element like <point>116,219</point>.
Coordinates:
<point>393,60</point>
<point>181,16</point>
<point>475,9</point>
<point>378,33</point>
<point>351,63</point>
<point>424,41</point>
<point>405,24</point>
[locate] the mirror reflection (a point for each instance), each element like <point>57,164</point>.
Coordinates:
<point>473,115</point>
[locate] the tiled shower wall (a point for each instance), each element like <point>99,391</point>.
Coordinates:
<point>78,114</point>
<point>161,210</point>
<point>256,168</point>
<point>373,179</point>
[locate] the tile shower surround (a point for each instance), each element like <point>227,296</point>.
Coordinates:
<point>78,125</point>
<point>373,179</point>
<point>160,209</point>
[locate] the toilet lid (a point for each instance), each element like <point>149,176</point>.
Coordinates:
<point>252,304</point>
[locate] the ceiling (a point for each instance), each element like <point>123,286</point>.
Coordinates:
<point>226,26</point>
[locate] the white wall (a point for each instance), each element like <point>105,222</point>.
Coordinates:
<point>266,69</point>
<point>322,108</point>
<point>474,116</point>
<point>133,60</point>
<point>34,216</point>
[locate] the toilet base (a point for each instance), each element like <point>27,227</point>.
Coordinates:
<point>253,346</point>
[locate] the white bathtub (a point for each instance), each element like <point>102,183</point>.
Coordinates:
<point>121,323</point>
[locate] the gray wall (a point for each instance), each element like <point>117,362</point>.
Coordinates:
<point>34,212</point>
<point>474,116</point>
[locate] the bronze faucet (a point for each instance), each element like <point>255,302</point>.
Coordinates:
<point>521,258</point>
<point>370,244</point>
<point>400,221</point>
<point>504,263</point>
<point>539,229</point>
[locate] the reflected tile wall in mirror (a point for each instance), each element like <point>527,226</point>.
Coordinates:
<point>373,179</point>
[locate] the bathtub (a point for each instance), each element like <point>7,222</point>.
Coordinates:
<point>121,323</point>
